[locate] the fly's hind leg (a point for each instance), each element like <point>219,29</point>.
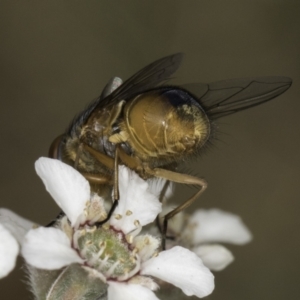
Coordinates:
<point>180,178</point>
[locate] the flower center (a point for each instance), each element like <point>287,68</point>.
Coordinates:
<point>107,251</point>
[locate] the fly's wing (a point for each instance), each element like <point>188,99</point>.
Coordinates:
<point>222,98</point>
<point>149,77</point>
<point>115,91</point>
<point>112,85</point>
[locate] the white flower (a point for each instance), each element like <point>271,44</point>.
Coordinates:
<point>9,250</point>
<point>209,227</point>
<point>12,232</point>
<point>202,232</point>
<point>113,252</point>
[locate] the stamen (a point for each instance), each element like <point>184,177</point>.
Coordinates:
<point>109,272</point>
<point>103,261</point>
<point>102,244</point>
<point>92,229</point>
<point>95,273</point>
<point>134,251</point>
<point>88,242</point>
<point>118,217</point>
<point>155,254</point>
<point>105,226</point>
<point>129,238</point>
<point>135,232</point>
<point>76,236</point>
<point>132,272</point>
<point>132,259</point>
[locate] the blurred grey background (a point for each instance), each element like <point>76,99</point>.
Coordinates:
<point>56,56</point>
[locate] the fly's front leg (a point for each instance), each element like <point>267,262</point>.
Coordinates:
<point>97,178</point>
<point>107,161</point>
<point>111,163</point>
<point>180,178</point>
<point>102,158</point>
<point>115,188</point>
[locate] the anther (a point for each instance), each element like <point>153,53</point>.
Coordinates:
<point>102,244</point>
<point>105,226</point>
<point>93,229</point>
<point>138,229</point>
<point>111,269</point>
<point>134,251</point>
<point>155,254</point>
<point>129,238</point>
<point>118,217</point>
<point>122,260</point>
<point>132,259</point>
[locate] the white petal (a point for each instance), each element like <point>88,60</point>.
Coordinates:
<point>17,225</point>
<point>126,291</point>
<point>144,281</point>
<point>215,225</point>
<point>156,186</point>
<point>182,268</point>
<point>215,257</point>
<point>136,202</point>
<point>176,223</point>
<point>9,250</point>
<point>68,187</point>
<point>49,249</point>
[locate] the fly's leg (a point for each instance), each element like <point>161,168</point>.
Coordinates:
<point>164,191</point>
<point>111,163</point>
<point>161,198</point>
<point>102,158</point>
<point>115,189</point>
<point>179,178</point>
<point>100,179</point>
<point>97,178</point>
